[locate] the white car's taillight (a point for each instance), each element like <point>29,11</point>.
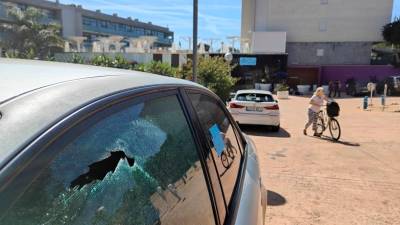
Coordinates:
<point>273,107</point>
<point>233,105</point>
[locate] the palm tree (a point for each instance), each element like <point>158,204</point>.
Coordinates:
<point>29,36</point>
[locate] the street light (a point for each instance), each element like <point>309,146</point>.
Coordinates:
<point>194,53</point>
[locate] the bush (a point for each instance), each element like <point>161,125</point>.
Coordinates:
<point>102,60</point>
<point>120,62</point>
<point>76,58</point>
<point>283,87</point>
<point>213,73</point>
<point>157,67</point>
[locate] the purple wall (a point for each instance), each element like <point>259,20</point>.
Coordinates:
<point>359,72</point>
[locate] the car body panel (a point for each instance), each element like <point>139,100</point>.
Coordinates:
<point>253,198</point>
<point>251,119</point>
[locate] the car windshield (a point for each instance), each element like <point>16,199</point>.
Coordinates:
<point>254,97</point>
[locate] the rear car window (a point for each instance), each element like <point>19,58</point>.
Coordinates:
<point>253,97</point>
<point>221,137</point>
<point>137,166</point>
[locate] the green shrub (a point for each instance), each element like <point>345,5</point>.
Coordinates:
<point>102,60</point>
<point>157,67</point>
<point>213,73</point>
<point>76,58</point>
<point>283,87</point>
<point>120,62</point>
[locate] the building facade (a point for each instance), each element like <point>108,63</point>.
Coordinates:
<point>319,32</point>
<point>76,21</point>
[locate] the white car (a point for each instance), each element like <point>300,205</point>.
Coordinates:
<point>255,107</point>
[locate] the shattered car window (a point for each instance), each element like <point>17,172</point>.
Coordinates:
<point>137,166</point>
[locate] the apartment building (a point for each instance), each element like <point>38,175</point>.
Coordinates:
<point>318,32</point>
<point>77,21</point>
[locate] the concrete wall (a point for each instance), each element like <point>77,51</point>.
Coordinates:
<point>268,42</point>
<point>87,56</point>
<point>327,53</point>
<point>71,20</point>
<point>314,21</point>
<point>248,8</point>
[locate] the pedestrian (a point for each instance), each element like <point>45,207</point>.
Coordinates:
<point>330,87</point>
<point>339,87</point>
<point>316,102</point>
<point>336,89</point>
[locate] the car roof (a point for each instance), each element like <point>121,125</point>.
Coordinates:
<point>20,76</point>
<point>253,91</point>
<point>35,95</point>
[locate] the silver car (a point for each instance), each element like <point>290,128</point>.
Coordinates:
<point>91,145</point>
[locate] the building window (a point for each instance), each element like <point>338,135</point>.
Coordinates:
<point>103,24</point>
<point>320,52</point>
<point>121,27</point>
<point>323,26</point>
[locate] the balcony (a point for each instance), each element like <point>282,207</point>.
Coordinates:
<point>133,34</point>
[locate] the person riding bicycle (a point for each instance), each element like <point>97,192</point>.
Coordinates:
<point>316,102</point>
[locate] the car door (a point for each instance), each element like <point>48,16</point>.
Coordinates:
<point>133,161</point>
<point>224,152</point>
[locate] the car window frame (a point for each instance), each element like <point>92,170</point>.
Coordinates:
<point>232,209</point>
<point>96,111</point>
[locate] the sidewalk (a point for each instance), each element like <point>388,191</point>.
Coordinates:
<point>317,181</point>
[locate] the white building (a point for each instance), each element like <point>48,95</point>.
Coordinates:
<point>318,31</point>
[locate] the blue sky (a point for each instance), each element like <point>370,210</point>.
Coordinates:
<point>217,18</point>
<point>396,9</point>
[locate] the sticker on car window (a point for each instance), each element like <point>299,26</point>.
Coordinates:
<point>217,139</point>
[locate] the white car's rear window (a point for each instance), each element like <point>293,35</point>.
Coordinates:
<point>254,97</point>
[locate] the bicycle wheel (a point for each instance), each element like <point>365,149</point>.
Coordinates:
<point>225,160</point>
<point>320,124</point>
<point>334,128</point>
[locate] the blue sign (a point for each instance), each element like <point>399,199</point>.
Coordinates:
<point>217,139</point>
<point>248,61</point>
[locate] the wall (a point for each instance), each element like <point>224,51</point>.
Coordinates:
<point>71,19</point>
<point>268,42</point>
<point>359,72</point>
<point>305,53</point>
<point>313,21</point>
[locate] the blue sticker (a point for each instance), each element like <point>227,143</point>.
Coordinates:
<point>217,139</point>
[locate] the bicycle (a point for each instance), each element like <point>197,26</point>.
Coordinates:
<point>324,121</point>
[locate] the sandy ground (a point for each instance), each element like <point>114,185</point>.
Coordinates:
<point>317,181</point>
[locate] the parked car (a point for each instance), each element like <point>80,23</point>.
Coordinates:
<point>255,107</point>
<point>91,145</point>
<point>393,85</point>
<point>355,88</point>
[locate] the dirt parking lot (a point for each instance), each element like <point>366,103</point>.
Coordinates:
<point>317,181</point>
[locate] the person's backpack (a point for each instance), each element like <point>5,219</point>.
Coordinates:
<point>333,109</point>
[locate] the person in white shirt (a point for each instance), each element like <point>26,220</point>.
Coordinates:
<point>316,102</point>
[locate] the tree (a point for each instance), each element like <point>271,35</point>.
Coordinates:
<point>213,73</point>
<point>28,36</point>
<point>391,32</point>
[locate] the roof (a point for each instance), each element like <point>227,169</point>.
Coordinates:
<point>35,95</point>
<point>253,91</point>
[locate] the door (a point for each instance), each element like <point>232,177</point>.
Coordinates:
<point>224,152</point>
<point>134,162</point>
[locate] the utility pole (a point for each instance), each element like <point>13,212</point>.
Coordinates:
<point>194,53</point>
